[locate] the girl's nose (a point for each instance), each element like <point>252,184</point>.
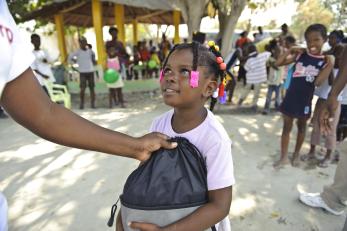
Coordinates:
<point>171,77</point>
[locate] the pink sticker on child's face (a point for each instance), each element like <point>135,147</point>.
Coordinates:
<point>161,76</point>
<point>194,79</point>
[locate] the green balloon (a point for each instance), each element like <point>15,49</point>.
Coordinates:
<point>111,76</point>
<point>152,64</point>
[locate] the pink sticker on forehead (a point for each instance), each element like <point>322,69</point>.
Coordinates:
<point>194,79</point>
<point>161,76</point>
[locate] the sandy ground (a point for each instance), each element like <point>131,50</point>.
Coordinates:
<point>50,187</point>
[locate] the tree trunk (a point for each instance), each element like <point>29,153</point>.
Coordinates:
<point>230,23</point>
<point>192,14</point>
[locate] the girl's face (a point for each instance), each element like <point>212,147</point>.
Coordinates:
<point>332,40</point>
<point>175,85</point>
<point>315,42</point>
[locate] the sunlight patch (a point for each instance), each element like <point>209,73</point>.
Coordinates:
<point>242,206</point>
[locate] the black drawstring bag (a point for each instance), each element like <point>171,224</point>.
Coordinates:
<point>169,186</point>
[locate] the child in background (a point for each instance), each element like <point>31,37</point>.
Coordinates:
<point>115,89</point>
<point>274,78</point>
<point>322,92</point>
<point>155,58</point>
<point>311,70</point>
<point>84,59</point>
<point>288,43</point>
<point>190,119</point>
<point>256,74</point>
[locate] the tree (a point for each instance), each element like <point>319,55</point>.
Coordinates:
<point>18,8</point>
<point>192,13</point>
<point>229,12</point>
<point>309,12</point>
<point>340,12</point>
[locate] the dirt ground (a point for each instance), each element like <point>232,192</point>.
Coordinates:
<point>50,187</point>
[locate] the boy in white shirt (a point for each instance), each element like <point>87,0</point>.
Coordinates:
<point>41,66</point>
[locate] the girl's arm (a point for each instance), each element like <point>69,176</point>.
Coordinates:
<point>326,71</point>
<point>203,218</point>
<point>27,103</point>
<point>286,58</point>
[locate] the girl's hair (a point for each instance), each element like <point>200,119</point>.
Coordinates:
<point>202,56</point>
<point>338,34</point>
<point>252,48</point>
<point>290,39</point>
<point>317,28</point>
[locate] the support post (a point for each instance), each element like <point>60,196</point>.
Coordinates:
<point>119,17</point>
<point>97,22</point>
<point>176,21</point>
<point>135,39</point>
<point>59,24</point>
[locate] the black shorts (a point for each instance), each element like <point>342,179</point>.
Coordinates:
<point>87,77</point>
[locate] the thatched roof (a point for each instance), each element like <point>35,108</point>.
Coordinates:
<point>79,12</point>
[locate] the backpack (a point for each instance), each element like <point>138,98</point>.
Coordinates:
<point>169,186</point>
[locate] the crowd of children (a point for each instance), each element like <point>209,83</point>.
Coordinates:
<point>295,74</point>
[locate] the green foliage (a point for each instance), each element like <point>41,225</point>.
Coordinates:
<point>19,8</point>
<point>339,8</point>
<point>309,12</point>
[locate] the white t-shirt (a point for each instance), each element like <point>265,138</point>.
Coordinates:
<point>15,58</point>
<point>214,144</point>
<point>15,55</point>
<point>41,66</point>
<point>84,60</point>
<point>323,90</point>
<point>256,68</point>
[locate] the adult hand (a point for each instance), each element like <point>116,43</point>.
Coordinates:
<point>145,226</point>
<point>327,114</point>
<point>152,142</point>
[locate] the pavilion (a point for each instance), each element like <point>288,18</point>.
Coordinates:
<point>98,13</point>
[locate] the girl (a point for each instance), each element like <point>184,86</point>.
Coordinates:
<point>190,76</point>
<point>322,92</point>
<point>274,77</point>
<point>115,89</point>
<point>311,69</point>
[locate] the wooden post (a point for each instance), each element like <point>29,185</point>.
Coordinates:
<point>59,24</point>
<point>97,22</point>
<point>176,21</point>
<point>119,17</point>
<point>135,39</point>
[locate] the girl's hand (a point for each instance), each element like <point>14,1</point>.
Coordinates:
<point>145,226</point>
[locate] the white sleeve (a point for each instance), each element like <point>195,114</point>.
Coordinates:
<point>220,169</point>
<point>16,55</point>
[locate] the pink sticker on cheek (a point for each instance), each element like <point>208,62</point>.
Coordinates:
<point>194,79</point>
<point>161,76</point>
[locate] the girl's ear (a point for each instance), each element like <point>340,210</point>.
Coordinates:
<point>211,86</point>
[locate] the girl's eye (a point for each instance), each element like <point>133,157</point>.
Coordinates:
<point>167,71</point>
<point>185,72</point>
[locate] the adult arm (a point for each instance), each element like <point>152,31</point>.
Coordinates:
<point>203,218</point>
<point>331,105</point>
<point>26,102</point>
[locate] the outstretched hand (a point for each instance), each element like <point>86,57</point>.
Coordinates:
<point>327,114</point>
<point>152,142</point>
<point>144,226</point>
